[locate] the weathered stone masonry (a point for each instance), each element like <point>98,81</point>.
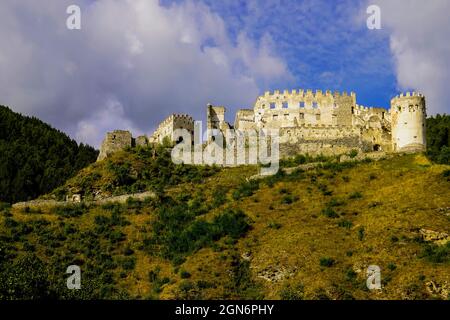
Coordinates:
<point>309,122</point>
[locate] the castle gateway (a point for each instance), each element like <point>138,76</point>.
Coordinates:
<point>311,122</point>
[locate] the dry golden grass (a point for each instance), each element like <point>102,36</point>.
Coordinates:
<point>398,196</point>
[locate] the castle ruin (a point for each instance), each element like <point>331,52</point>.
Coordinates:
<point>119,140</point>
<point>309,122</point>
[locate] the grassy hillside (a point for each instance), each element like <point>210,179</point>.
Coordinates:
<point>308,235</point>
<point>36,158</point>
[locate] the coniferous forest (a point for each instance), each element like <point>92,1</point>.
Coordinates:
<point>438,138</point>
<point>36,158</point>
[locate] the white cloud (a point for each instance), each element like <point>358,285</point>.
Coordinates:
<point>418,39</point>
<point>103,120</point>
<point>152,60</point>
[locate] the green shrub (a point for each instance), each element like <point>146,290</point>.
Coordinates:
<point>324,189</point>
<point>71,211</point>
<point>437,254</point>
<point>219,197</point>
<point>128,263</point>
<point>353,153</point>
<point>185,274</point>
<point>4,206</point>
<point>335,203</point>
<point>288,199</point>
<point>350,275</point>
<point>345,224</point>
<point>339,166</point>
<point>446,174</point>
<point>177,232</point>
<point>32,210</point>
<point>128,251</point>
<point>25,279</point>
<point>355,195</point>
<point>186,286</point>
<point>116,236</point>
<point>444,155</point>
<point>330,213</point>
<point>327,262</point>
<point>361,233</point>
<point>392,266</point>
<point>292,292</point>
<point>10,223</point>
<point>202,284</point>
<point>246,189</point>
<point>133,203</point>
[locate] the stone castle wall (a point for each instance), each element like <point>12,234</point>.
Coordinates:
<point>321,139</point>
<point>288,109</point>
<point>309,122</point>
<point>115,141</point>
<point>169,125</point>
<point>408,122</point>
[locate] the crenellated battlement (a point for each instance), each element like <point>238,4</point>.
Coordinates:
<point>313,121</point>
<point>174,117</point>
<point>408,102</point>
<point>409,95</point>
<point>301,93</point>
<point>362,108</point>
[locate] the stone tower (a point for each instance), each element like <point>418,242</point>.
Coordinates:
<point>408,114</point>
<point>215,117</point>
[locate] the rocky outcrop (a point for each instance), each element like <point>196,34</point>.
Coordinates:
<point>439,289</point>
<point>439,238</point>
<point>275,273</point>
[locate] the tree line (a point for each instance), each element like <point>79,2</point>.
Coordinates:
<point>438,138</point>
<point>36,158</point>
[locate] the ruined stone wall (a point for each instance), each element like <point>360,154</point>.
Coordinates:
<point>113,142</point>
<point>375,124</point>
<point>321,139</point>
<point>371,117</point>
<point>215,118</point>
<point>313,122</point>
<point>141,141</point>
<point>244,120</point>
<point>169,125</point>
<point>318,119</point>
<point>296,108</point>
<point>345,105</point>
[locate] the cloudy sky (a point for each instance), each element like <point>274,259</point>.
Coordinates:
<point>136,61</point>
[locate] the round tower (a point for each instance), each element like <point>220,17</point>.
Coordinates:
<point>408,115</point>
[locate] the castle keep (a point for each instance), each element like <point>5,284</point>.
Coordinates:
<point>309,122</point>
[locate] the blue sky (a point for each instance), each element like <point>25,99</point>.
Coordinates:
<point>324,44</point>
